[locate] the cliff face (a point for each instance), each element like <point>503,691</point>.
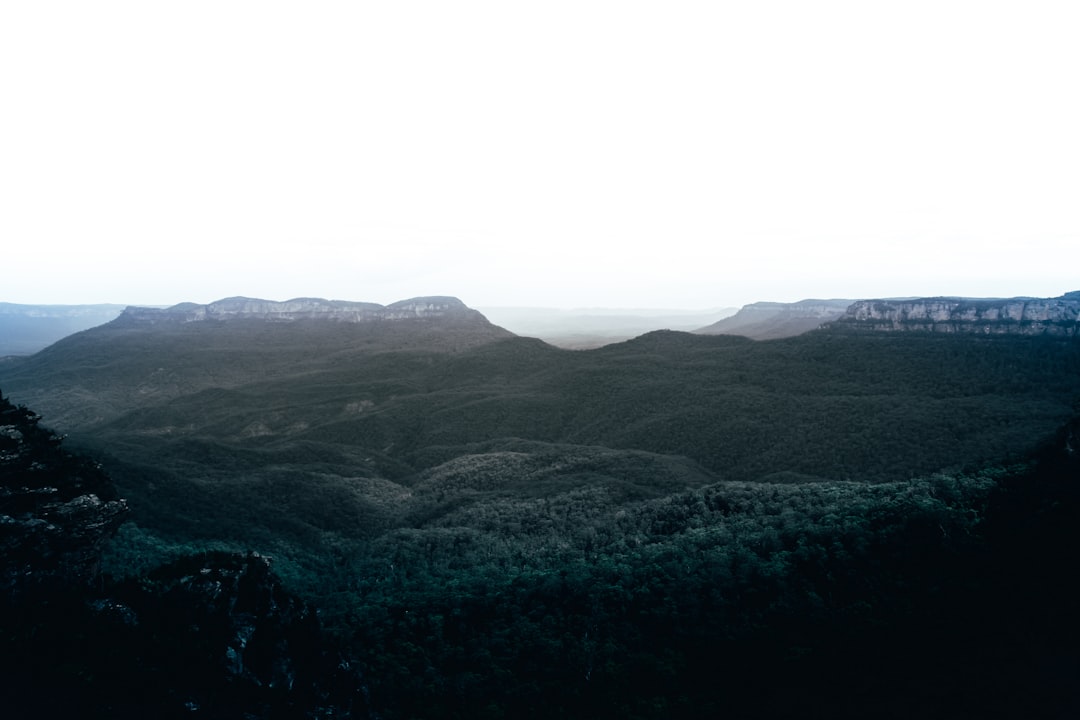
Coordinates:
<point>56,510</point>
<point>1013,316</point>
<point>303,309</point>
<point>214,634</point>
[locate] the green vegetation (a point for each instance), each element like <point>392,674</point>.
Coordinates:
<point>942,596</point>
<point>675,526</point>
<point>694,605</point>
<point>213,633</point>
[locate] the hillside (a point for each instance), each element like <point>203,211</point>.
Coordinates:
<point>998,316</point>
<point>661,528</point>
<point>740,409</point>
<point>77,643</point>
<point>147,355</point>
<point>771,320</point>
<point>291,436</point>
<point>506,595</point>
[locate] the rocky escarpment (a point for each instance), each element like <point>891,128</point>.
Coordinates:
<point>1013,316</point>
<point>56,510</point>
<point>222,638</point>
<point>304,309</point>
<point>212,635</point>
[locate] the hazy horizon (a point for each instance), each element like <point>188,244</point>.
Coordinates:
<point>546,310</point>
<point>569,155</point>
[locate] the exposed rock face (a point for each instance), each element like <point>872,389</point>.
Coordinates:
<point>212,635</point>
<point>240,597</point>
<point>219,631</point>
<point>768,320</point>
<point>304,309</point>
<point>56,510</point>
<point>1015,316</point>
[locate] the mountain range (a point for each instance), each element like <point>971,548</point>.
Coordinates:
<point>193,403</point>
<point>430,371</point>
<point>370,368</point>
<point>491,524</point>
<point>771,320</point>
<point>25,329</point>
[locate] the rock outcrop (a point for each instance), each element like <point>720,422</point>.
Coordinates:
<point>304,309</point>
<point>219,633</point>
<point>56,510</point>
<point>212,635</point>
<point>1013,316</point>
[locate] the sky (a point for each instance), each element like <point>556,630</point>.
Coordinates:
<point>559,154</point>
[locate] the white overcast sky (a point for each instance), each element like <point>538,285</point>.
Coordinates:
<point>564,154</point>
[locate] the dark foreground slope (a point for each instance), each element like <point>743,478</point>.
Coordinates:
<point>942,597</point>
<point>212,635</point>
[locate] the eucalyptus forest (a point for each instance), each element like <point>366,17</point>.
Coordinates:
<point>438,519</point>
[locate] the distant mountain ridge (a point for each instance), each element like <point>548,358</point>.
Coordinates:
<point>25,329</point>
<point>304,309</point>
<point>585,328</point>
<point>148,354</point>
<point>772,320</point>
<point>1058,316</point>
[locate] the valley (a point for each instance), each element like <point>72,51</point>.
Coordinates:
<point>485,519</point>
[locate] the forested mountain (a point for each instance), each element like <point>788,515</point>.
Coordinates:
<point>826,404</point>
<point>672,526</point>
<point>148,355</point>
<point>940,597</point>
<point>1058,316</point>
<point>772,320</point>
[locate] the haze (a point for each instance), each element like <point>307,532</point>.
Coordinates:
<point>693,155</point>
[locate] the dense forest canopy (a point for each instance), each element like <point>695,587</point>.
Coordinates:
<point>940,597</point>
<point>666,527</point>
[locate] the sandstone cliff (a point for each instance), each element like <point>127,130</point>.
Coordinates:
<point>213,634</point>
<point>994,316</point>
<point>304,309</point>
<point>56,510</point>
